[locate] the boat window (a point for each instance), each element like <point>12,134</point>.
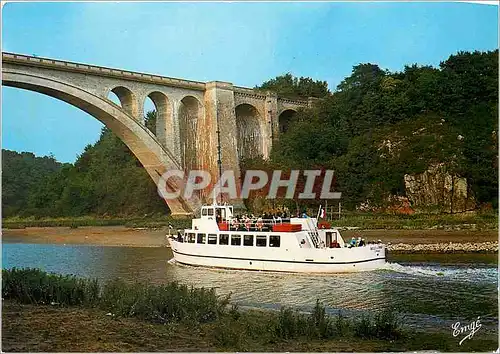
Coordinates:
<point>204,212</point>
<point>236,240</point>
<point>191,237</point>
<point>210,211</point>
<point>261,241</point>
<point>248,240</point>
<point>201,238</point>
<point>212,239</point>
<point>274,241</point>
<point>223,239</point>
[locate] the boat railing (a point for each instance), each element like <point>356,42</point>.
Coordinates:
<point>251,224</point>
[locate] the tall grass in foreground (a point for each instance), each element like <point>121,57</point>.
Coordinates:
<point>291,324</point>
<point>177,303</point>
<point>33,286</point>
<point>159,303</point>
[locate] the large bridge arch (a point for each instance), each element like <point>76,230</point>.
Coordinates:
<point>249,132</point>
<point>285,118</point>
<point>143,144</point>
<point>190,116</point>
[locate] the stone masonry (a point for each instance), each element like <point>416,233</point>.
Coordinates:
<point>189,114</point>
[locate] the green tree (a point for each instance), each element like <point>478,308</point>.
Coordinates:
<point>289,86</point>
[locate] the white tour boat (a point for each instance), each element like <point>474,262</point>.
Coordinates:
<point>217,239</point>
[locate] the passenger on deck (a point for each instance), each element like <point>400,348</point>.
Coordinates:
<point>361,243</point>
<point>247,223</point>
<point>353,242</point>
<point>260,224</point>
<point>334,244</point>
<point>234,223</point>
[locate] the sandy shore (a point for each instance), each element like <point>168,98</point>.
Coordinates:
<point>398,240</point>
<point>92,235</point>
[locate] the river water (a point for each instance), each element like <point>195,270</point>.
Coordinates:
<point>428,292</point>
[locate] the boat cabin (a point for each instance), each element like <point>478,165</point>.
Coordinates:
<point>217,212</point>
<point>218,225</point>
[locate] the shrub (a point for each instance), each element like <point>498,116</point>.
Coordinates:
<point>159,303</point>
<point>35,286</point>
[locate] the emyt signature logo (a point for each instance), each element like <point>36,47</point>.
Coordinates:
<point>469,330</point>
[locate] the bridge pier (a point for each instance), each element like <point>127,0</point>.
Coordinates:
<point>221,125</point>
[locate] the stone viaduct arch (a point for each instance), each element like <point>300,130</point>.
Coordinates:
<point>193,118</point>
<point>139,140</point>
<point>249,131</point>
<point>164,121</point>
<point>284,119</point>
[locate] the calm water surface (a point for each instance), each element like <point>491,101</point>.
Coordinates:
<point>430,292</point>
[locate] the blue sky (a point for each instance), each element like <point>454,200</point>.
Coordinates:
<point>243,43</point>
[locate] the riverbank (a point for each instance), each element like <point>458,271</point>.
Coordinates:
<point>89,235</point>
<point>51,312</point>
<point>398,241</point>
<point>474,220</point>
<point>32,328</point>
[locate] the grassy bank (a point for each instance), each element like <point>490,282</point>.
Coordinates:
<point>85,315</point>
<point>372,221</point>
<point>463,221</point>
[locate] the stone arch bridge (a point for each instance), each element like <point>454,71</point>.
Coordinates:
<point>189,115</point>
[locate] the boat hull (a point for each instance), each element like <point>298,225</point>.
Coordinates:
<point>340,260</point>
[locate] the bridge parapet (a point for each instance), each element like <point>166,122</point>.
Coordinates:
<point>248,92</point>
<point>100,71</point>
<point>293,101</point>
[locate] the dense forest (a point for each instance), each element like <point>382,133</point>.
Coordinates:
<point>105,180</point>
<point>375,128</point>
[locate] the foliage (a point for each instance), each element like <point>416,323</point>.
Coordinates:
<point>380,125</point>
<point>106,180</point>
<point>21,174</point>
<point>382,325</point>
<point>291,325</point>
<point>171,302</point>
<point>37,287</point>
<point>289,86</point>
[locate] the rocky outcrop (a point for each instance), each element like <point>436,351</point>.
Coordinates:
<point>440,189</point>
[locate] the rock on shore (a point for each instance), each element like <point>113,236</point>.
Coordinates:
<point>469,247</point>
